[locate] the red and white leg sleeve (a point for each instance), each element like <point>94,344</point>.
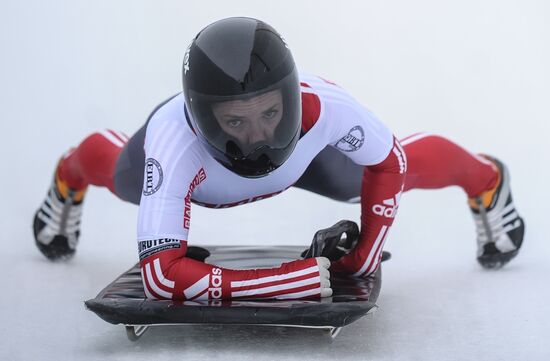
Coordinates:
<point>170,275</point>
<point>436,162</point>
<point>380,194</point>
<point>93,161</point>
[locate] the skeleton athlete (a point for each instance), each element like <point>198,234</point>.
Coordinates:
<point>246,127</point>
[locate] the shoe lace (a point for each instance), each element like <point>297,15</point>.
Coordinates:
<point>63,215</point>
<point>492,224</point>
<point>485,226</point>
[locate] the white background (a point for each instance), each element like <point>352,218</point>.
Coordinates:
<point>474,71</point>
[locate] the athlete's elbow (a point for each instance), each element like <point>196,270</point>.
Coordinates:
<point>157,274</point>
<point>395,162</point>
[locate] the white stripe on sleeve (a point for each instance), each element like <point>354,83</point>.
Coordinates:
<point>372,252</point>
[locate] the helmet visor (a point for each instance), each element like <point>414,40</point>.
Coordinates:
<point>248,125</point>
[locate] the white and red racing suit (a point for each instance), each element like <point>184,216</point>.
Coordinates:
<point>180,172</point>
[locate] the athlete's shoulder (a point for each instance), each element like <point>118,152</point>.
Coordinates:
<point>327,90</point>
<point>313,79</point>
<point>168,121</point>
<point>171,109</point>
<point>311,103</point>
<point>318,94</point>
<point>169,139</point>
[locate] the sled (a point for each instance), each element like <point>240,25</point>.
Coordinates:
<point>124,302</point>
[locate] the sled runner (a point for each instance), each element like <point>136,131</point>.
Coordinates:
<point>124,302</point>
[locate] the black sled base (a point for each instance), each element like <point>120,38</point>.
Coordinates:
<point>124,301</point>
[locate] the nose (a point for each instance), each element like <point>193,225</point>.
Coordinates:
<point>258,133</point>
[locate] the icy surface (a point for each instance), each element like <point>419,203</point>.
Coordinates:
<point>474,71</point>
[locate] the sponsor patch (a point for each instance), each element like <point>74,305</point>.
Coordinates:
<point>352,141</point>
<point>215,289</point>
<point>208,287</point>
<point>388,208</point>
<point>150,247</point>
<point>198,179</point>
<point>152,179</point>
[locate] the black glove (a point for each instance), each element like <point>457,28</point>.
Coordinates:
<point>336,241</point>
<point>333,242</point>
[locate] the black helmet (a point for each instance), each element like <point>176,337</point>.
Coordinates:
<point>242,95</point>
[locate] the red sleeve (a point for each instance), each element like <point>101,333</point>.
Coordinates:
<point>168,274</point>
<point>380,193</point>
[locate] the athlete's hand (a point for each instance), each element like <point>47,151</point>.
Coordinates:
<point>302,273</point>
<point>347,264</point>
<point>323,263</point>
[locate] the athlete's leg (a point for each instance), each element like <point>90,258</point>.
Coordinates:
<point>56,224</point>
<point>333,175</point>
<point>104,159</point>
<point>433,162</point>
<point>128,173</point>
<point>436,162</point>
<point>93,161</point>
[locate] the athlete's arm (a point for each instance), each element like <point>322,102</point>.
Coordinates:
<point>168,274</point>
<point>173,171</point>
<point>361,136</point>
<point>380,193</point>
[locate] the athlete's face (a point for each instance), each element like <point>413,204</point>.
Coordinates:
<point>253,120</point>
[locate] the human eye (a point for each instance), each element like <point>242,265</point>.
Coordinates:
<point>234,123</point>
<point>270,114</point>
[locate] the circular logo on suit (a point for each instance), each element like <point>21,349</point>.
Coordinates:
<point>152,179</point>
<point>352,141</point>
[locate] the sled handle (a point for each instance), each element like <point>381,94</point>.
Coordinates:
<point>326,240</point>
